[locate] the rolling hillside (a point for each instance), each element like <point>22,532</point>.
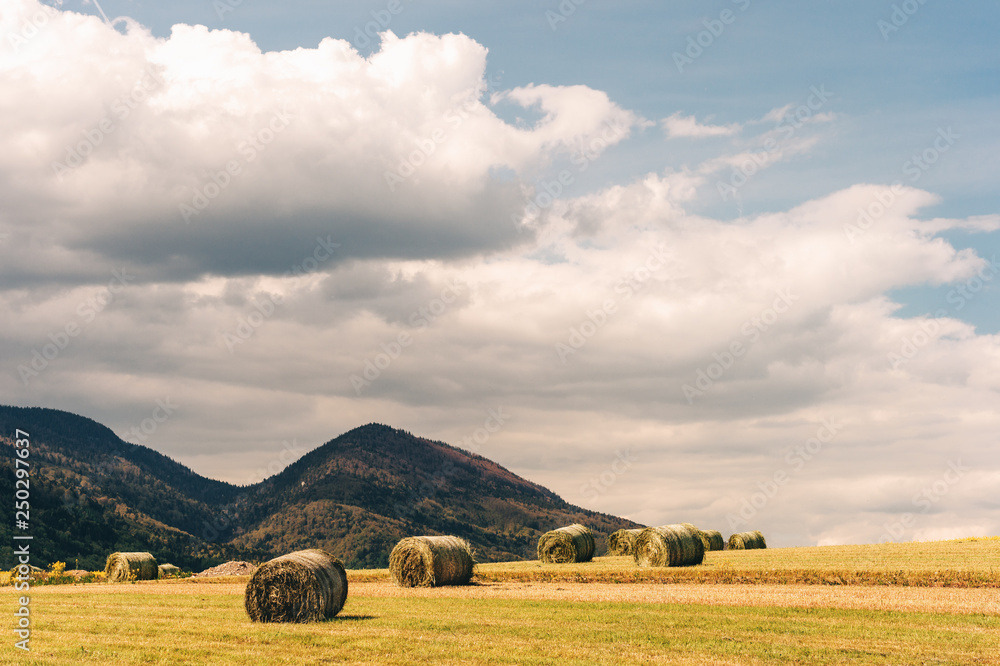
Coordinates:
<point>356,495</point>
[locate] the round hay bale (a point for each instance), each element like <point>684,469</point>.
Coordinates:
<point>746,541</point>
<point>701,534</point>
<point>431,561</point>
<point>573,543</point>
<point>622,542</point>
<point>122,567</point>
<point>169,570</point>
<point>304,586</point>
<point>712,539</point>
<point>668,546</point>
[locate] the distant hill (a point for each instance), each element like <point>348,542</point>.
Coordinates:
<point>356,496</point>
<point>92,494</point>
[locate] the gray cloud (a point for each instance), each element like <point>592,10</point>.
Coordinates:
<point>587,323</point>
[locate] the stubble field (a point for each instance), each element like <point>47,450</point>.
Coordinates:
<point>918,607</point>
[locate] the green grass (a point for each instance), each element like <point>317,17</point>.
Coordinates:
<point>166,624</point>
<point>972,554</point>
<point>196,621</point>
<point>971,562</point>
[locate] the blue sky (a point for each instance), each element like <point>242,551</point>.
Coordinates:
<point>704,257</point>
<point>895,87</point>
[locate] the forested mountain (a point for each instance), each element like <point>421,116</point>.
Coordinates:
<point>92,493</point>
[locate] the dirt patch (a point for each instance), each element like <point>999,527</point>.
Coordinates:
<point>234,568</point>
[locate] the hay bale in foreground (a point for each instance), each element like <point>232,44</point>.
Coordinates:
<point>573,543</point>
<point>746,541</point>
<point>304,586</point>
<point>622,542</point>
<point>431,561</point>
<point>712,539</point>
<point>169,570</point>
<point>668,546</point>
<point>122,567</point>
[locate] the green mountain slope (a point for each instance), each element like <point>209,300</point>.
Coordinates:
<point>91,494</point>
<point>356,496</point>
<point>374,485</point>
